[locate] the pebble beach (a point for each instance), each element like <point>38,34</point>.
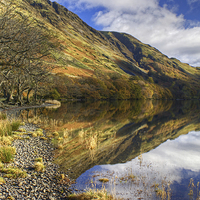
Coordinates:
<point>49,184</point>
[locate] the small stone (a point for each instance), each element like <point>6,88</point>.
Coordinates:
<point>51,198</point>
<point>20,184</point>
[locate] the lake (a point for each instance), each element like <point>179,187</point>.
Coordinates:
<point>135,149</point>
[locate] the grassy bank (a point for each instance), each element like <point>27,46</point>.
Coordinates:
<point>8,134</point>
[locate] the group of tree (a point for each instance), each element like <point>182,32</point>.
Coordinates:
<point>23,47</point>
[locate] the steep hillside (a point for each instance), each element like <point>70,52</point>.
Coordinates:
<point>168,72</point>
<point>92,64</point>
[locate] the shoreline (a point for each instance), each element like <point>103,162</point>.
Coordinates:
<point>49,184</point>
<point>12,107</point>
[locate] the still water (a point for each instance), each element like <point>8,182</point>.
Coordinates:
<point>143,149</point>
<point>172,165</point>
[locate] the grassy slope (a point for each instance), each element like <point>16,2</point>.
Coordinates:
<point>84,52</point>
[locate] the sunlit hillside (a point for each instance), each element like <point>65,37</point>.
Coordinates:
<point>86,63</point>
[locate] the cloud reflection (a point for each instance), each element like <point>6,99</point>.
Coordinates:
<point>169,162</point>
<point>169,157</point>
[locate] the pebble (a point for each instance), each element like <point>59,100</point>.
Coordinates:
<point>37,185</point>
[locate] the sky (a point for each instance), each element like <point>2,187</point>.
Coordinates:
<point>171,26</point>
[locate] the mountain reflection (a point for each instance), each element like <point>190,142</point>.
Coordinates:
<point>174,162</point>
<point>98,133</point>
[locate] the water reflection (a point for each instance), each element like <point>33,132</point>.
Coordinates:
<point>99,133</point>
<point>174,162</point>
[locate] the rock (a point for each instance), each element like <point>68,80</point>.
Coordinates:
<point>36,185</point>
<point>20,184</point>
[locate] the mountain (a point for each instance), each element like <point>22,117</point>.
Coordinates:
<point>106,65</point>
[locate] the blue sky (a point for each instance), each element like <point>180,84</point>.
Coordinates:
<point>172,26</point>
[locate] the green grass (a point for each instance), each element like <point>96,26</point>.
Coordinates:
<point>7,154</point>
<point>15,125</point>
<point>13,173</point>
<point>7,127</point>
<point>2,181</point>
<point>6,140</point>
<point>34,134</point>
<point>3,116</point>
<point>21,130</point>
<point>39,159</point>
<point>39,133</point>
<point>1,165</point>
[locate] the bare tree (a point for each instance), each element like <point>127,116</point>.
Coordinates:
<point>23,47</point>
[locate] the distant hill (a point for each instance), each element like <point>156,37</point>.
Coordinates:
<point>106,65</point>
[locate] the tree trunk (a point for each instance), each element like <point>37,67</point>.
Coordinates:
<point>9,97</point>
<point>35,94</point>
<point>9,94</point>
<point>27,97</point>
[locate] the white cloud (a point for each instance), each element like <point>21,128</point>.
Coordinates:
<point>192,1</point>
<point>150,23</point>
<point>124,5</point>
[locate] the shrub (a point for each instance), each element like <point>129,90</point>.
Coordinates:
<point>2,181</point>
<point>22,123</point>
<point>39,129</point>
<point>53,94</point>
<point>7,154</point>
<point>21,130</point>
<point>6,140</point>
<point>49,135</point>
<point>3,116</point>
<point>43,138</point>
<point>15,125</point>
<point>39,166</point>
<point>39,159</point>
<point>6,127</point>
<point>34,134</point>
<point>1,165</point>
<point>18,133</point>
<point>39,133</point>
<point>14,173</point>
<point>16,137</point>
<point>55,133</point>
<point>60,138</point>
<point>92,194</point>
<point>150,80</point>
